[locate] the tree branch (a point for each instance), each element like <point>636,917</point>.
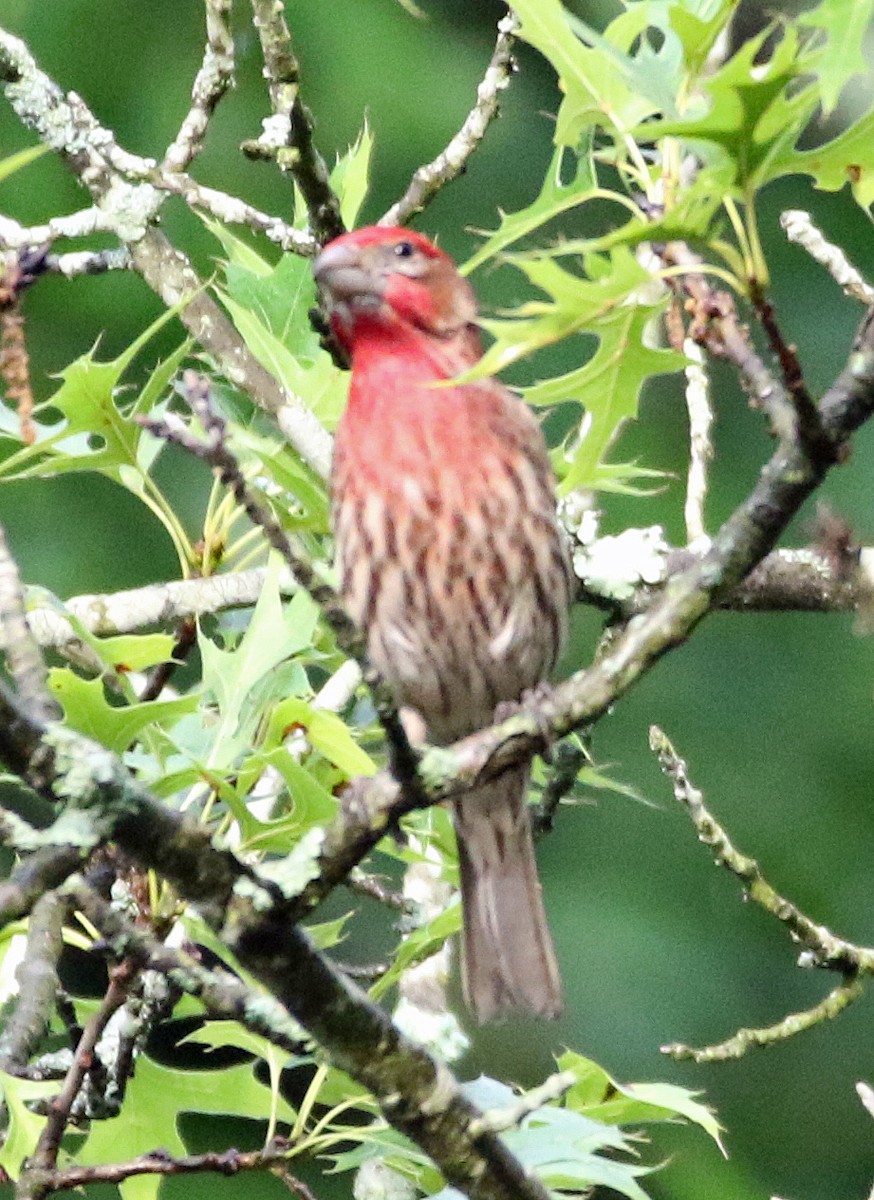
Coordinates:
<point>288,137</point>
<point>128,192</point>
<point>226,1162</point>
<point>821,947</point>
<point>418,1095</point>
<point>45,1155</point>
<point>452,161</point>
<point>37,978</point>
<point>215,77</point>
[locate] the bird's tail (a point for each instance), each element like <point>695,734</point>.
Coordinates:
<point>509,961</point>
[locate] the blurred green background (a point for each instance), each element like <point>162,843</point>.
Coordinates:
<point>774,713</point>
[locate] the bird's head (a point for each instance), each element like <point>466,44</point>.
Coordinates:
<point>385,278</point>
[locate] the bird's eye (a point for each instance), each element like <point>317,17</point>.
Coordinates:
<point>404,249</point>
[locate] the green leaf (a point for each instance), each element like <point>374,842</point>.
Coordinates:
<point>555,197</point>
<point>25,1126</point>
<point>219,1034</point>
<point>244,679</point>
<point>350,178</point>
<point>749,112</point>
<point>144,1125</point>
<point>612,305</point>
<point>309,804</point>
<point>239,253</point>
<point>599,1096</point>
<point>281,301</point>
<point>116,727</point>
<point>95,433</point>
<point>848,158</point>
<point>608,386</point>
<point>419,945</point>
<point>320,385</point>
<point>595,84</point>
<point>845,26</point>
<point>325,732</point>
<point>134,651</point>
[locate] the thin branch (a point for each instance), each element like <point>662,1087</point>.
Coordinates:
<point>375,889</point>
<point>160,676</point>
<point>23,657</point>
<point>288,136</point>
<point>45,1155</point>
<point>801,580</point>
<point>822,947</point>
<point>53,623</point>
<point>128,192</point>
<point>800,229</point>
<point>553,1088</point>
<point>14,359</point>
<point>739,1043</point>
<point>452,161</point>
<point>226,1162</point>
<point>567,759</point>
<point>215,77</point>
<point>806,412</point>
<point>35,875</point>
<point>37,978</point>
<point>715,326</point>
<point>14,236</point>
<point>700,441</point>
<point>232,211</point>
<point>223,995</point>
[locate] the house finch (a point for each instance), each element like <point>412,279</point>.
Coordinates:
<point>451,561</point>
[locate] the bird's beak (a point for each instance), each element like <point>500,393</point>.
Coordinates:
<point>342,276</point>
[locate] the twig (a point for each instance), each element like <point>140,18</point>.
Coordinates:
<point>288,137</point>
<point>35,875</point>
<point>160,676</point>
<point>823,948</point>
<point>213,450</point>
<point>806,413</point>
<point>715,326</point>
<point>37,978</point>
<point>226,1162</point>
<point>375,888</point>
<point>700,443</point>
<point>800,580</point>
<point>746,1039</point>
<point>128,192</point>
<point>500,1119</point>
<point>23,655</point>
<point>567,759</point>
<point>109,614</point>
<point>800,229</point>
<point>14,359</point>
<point>223,995</point>
<point>452,161</point>
<point>215,77</point>
<point>232,211</point>
<point>45,1155</point>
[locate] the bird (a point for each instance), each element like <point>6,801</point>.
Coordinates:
<point>452,563</point>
